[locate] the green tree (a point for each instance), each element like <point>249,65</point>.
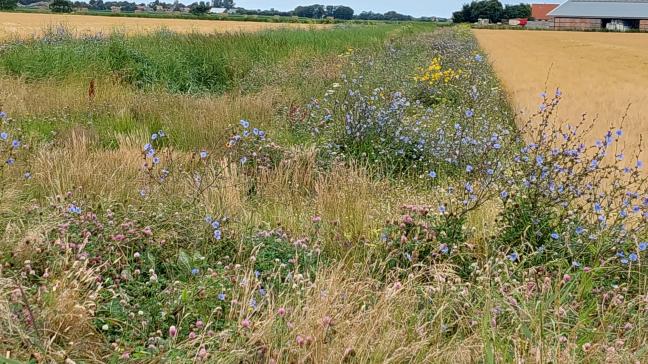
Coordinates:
<point>517,11</point>
<point>200,8</point>
<point>312,11</point>
<point>487,9</point>
<point>8,4</point>
<point>492,10</point>
<point>227,4</point>
<point>343,12</point>
<point>61,6</point>
<point>463,15</point>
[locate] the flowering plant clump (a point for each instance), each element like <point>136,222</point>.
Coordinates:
<point>399,130</point>
<point>435,73</point>
<point>422,237</point>
<point>13,149</point>
<point>154,171</point>
<point>562,196</point>
<point>140,275</point>
<point>252,147</point>
<point>436,83</point>
<point>284,260</point>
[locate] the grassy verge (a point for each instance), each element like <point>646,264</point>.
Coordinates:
<point>375,205</point>
<point>179,63</point>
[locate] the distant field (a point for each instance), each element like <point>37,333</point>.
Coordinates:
<point>27,25</point>
<point>599,73</point>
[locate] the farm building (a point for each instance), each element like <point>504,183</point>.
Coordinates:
<point>620,15</point>
<point>217,11</point>
<point>540,12</point>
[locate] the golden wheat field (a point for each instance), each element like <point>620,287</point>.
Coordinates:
<point>601,74</point>
<point>27,25</point>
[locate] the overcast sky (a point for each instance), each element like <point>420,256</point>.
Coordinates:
<point>442,8</point>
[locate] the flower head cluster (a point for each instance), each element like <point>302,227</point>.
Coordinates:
<point>12,149</point>
<point>215,226</point>
<point>149,148</point>
<point>250,144</point>
<point>435,73</point>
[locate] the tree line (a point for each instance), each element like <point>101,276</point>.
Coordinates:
<point>492,10</point>
<point>315,11</point>
<point>322,11</point>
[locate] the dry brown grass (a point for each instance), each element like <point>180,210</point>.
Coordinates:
<point>599,73</point>
<point>26,25</point>
<point>340,305</point>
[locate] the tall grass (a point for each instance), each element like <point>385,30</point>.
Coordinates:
<point>183,63</point>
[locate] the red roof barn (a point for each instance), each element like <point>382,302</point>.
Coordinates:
<point>541,11</point>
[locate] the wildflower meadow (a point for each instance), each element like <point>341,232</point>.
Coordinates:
<point>357,194</point>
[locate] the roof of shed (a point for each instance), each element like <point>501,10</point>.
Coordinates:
<point>540,11</point>
<point>617,9</point>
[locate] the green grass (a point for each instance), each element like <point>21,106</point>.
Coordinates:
<point>184,63</point>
